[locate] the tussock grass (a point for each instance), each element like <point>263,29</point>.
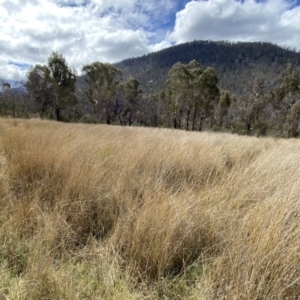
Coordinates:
<point>104,212</point>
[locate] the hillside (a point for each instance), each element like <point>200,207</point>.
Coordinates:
<point>237,64</point>
<point>110,212</point>
<point>253,88</point>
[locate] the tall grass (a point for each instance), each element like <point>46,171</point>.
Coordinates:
<point>105,212</point>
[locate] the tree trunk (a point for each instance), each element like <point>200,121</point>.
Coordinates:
<point>194,119</point>
<point>174,122</point>
<point>107,111</point>
<point>221,117</point>
<point>14,108</point>
<point>179,119</point>
<point>188,118</point>
<point>57,113</point>
<point>248,125</point>
<point>116,107</point>
<point>201,122</point>
<point>130,119</point>
<point>108,118</point>
<point>120,119</point>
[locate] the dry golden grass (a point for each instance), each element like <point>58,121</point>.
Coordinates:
<point>106,212</point>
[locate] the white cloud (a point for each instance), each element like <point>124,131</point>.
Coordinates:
<point>160,46</point>
<point>275,21</point>
<point>111,30</point>
<point>82,30</point>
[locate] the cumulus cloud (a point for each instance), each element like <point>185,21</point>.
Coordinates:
<point>111,30</point>
<point>276,21</point>
<point>82,30</point>
<point>160,46</point>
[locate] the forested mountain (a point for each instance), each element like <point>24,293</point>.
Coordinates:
<point>251,88</point>
<point>237,64</point>
<point>259,87</point>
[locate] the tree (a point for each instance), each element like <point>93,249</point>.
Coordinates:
<point>195,90</point>
<point>177,87</point>
<point>39,87</point>
<point>63,80</point>
<point>10,103</point>
<point>5,97</point>
<point>286,98</point>
<point>52,86</point>
<point>189,88</point>
<point>102,80</point>
<point>207,83</point>
<point>294,120</point>
<point>132,92</point>
<point>252,107</point>
<point>154,109</point>
<point>223,105</point>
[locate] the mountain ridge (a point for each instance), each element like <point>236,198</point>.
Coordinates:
<point>236,63</point>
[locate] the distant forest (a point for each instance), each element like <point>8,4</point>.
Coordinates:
<point>246,88</point>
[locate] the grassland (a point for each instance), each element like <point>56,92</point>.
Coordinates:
<point>107,212</point>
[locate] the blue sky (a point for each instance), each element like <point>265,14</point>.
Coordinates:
<point>85,31</point>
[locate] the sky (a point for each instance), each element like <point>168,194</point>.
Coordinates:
<point>85,31</point>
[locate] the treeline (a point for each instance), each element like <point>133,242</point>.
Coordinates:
<point>190,98</point>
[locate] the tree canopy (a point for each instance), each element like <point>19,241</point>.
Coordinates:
<point>102,80</point>
<point>52,86</point>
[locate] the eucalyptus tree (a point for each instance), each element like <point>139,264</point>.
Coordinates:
<point>223,105</point>
<point>208,84</point>
<point>286,100</point>
<point>62,80</point>
<point>5,98</point>
<point>102,80</point>
<point>251,107</point>
<point>39,87</point>
<point>155,110</point>
<point>289,85</point>
<point>52,86</point>
<point>189,88</point>
<point>132,91</point>
<point>204,91</point>
<point>177,88</point>
<point>294,120</point>
<point>195,92</point>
